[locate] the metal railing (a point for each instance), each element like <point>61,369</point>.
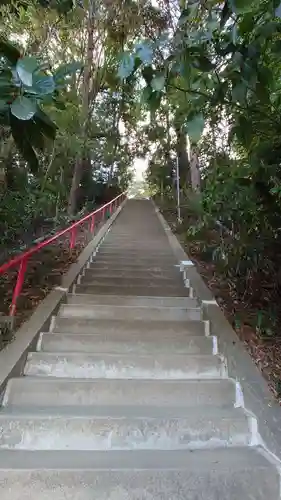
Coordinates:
<point>22,259</point>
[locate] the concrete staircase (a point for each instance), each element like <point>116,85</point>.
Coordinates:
<point>127,396</point>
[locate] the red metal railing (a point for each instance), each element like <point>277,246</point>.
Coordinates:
<point>21,260</point>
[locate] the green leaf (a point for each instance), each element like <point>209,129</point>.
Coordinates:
<point>225,14</point>
<point>267,30</point>
<point>3,105</point>
<point>154,101</point>
<point>158,82</point>
<point>242,6</point>
<point>59,104</point>
<point>23,144</point>
<point>146,94</point>
<point>195,127</point>
<point>246,24</point>
<point>9,51</point>
<point>46,125</point>
<point>43,84</point>
<point>243,131</point>
<point>147,74</point>
<point>239,93</point>
<point>6,88</point>
<point>184,17</point>
<point>34,134</point>
<point>203,63</point>
<point>145,52</point>
<point>24,108</point>
<point>126,67</point>
<point>25,68</point>
<point>278,11</point>
<point>67,70</point>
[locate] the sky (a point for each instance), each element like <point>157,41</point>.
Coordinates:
<point>140,165</point>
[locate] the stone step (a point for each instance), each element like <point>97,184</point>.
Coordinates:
<point>217,428</point>
<point>87,343</point>
<point>144,261</point>
<point>141,330</point>
<point>139,290</point>
<point>136,252</point>
<point>130,313</point>
<point>139,268</point>
<point>175,394</point>
<point>146,246</point>
<point>133,366</point>
<point>94,273</point>
<point>126,300</point>
<point>147,282</point>
<point>216,474</point>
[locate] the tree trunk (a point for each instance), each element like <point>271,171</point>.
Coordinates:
<point>194,169</point>
<point>78,168</point>
<point>184,167</point>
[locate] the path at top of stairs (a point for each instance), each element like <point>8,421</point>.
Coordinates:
<point>127,396</point>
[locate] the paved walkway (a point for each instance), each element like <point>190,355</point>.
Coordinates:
<point>127,396</point>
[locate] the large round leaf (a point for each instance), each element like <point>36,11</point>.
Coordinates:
<point>43,84</point>
<point>145,52</point>
<point>25,68</point>
<point>195,127</point>
<point>126,67</point>
<point>67,70</point>
<point>158,82</point>
<point>24,108</point>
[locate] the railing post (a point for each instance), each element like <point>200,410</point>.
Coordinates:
<point>92,226</point>
<point>73,237</point>
<point>18,287</point>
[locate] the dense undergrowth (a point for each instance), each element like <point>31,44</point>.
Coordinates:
<point>247,288</point>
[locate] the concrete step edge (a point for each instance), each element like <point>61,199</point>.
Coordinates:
<point>134,345</point>
<point>104,365</point>
<point>224,458</point>
<point>195,431</point>
<point>80,297</point>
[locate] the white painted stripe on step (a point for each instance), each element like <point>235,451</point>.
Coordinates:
<point>191,294</point>
<point>255,437</point>
<point>74,289</point>
<point>207,327</point>
<point>186,263</point>
<point>61,289</point>
<point>39,342</point>
<point>224,368</point>
<point>79,279</point>
<point>209,302</point>
<point>6,394</point>
<point>52,324</point>
<point>215,345</point>
<point>239,396</point>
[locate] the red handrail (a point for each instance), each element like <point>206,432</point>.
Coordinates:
<point>21,260</point>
